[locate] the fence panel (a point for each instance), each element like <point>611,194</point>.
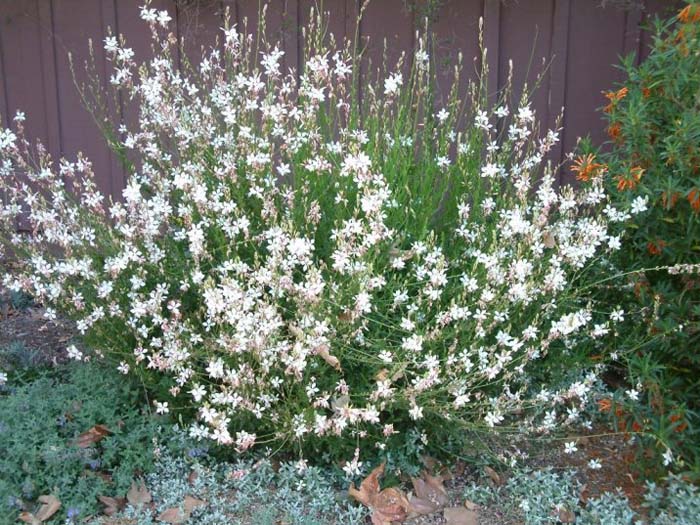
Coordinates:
<point>575,42</point>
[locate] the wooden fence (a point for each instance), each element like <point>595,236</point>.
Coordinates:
<point>583,39</point>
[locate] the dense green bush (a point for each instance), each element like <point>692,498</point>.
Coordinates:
<point>654,160</point>
<point>40,423</point>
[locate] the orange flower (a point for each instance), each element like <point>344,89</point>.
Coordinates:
<point>615,131</point>
<point>585,167</point>
<point>614,97</point>
<point>669,199</point>
<point>690,13</point>
<point>655,248</point>
<point>604,405</point>
<point>694,199</point>
<point>674,418</point>
<point>629,181</point>
<point>646,92</point>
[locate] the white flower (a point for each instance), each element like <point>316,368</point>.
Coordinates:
<point>493,418</point>
<point>3,378</point>
<point>353,467</point>
<point>614,242</point>
<point>570,447</point>
<point>617,315</point>
<point>111,44</point>
<point>442,115</point>
<point>416,412</point>
<point>639,205</point>
<point>244,440</point>
<point>161,408</point>
<point>633,394</point>
<point>163,18</point>
<point>594,464</point>
<point>74,353</point>
<point>392,84</point>
<point>123,368</point>
<point>198,392</point>
<point>668,457</point>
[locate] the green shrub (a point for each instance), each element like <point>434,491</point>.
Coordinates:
<point>39,424</point>
<point>297,266</point>
<point>654,160</point>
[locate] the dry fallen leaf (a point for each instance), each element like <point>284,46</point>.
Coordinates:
<point>192,478</point>
<point>460,516</point>
<point>324,352</point>
<point>112,505</point>
<point>493,475</point>
<point>173,515</point>
<point>178,515</point>
<point>471,505</point>
<point>566,515</point>
<point>138,494</point>
<point>92,436</point>
<point>430,494</point>
<point>49,507</point>
<point>192,503</point>
<point>387,506</point>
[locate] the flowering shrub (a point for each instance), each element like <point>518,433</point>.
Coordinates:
<point>654,124</point>
<point>293,267</point>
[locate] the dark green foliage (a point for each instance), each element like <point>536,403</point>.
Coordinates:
<point>39,424</point>
<point>654,126</point>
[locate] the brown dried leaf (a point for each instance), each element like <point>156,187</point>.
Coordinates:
<point>369,488</point>
<point>460,516</point>
<point>28,517</point>
<point>177,515</point>
<point>92,436</point>
<point>459,469</point>
<point>192,503</point>
<point>429,462</point>
<point>138,494</point>
<point>389,505</point>
<point>112,505</point>
<point>192,477</point>
<point>421,507</point>
<point>324,352</point>
<point>49,507</point>
<point>173,515</point>
<point>471,505</point>
<point>566,516</point>
<point>430,488</point>
<point>493,475</point>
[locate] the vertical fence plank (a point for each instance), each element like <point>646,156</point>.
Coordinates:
<point>633,31</point>
<point>118,173</point>
<point>198,26</point>
<point>559,46</point>
<point>525,39</point>
<point>455,31</point>
<point>23,74</point>
<point>79,131</point>
<point>4,109</point>
<point>595,44</point>
<point>49,79</point>
<point>492,42</point>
